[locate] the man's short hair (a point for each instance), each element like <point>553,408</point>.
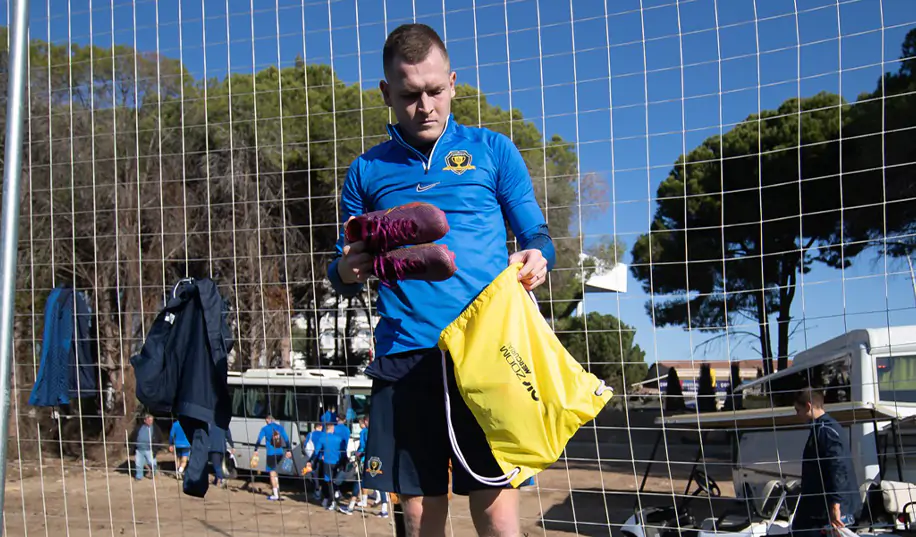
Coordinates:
<point>412,43</point>
<point>810,395</point>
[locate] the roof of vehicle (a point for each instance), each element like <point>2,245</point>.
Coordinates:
<point>299,377</point>
<point>888,341</point>
<point>782,417</point>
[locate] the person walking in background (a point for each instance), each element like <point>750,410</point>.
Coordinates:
<point>219,438</point>
<point>310,449</point>
<point>330,451</point>
<point>144,454</point>
<point>330,415</point>
<point>277,442</point>
<point>380,497</point>
<point>829,496</point>
<point>180,447</point>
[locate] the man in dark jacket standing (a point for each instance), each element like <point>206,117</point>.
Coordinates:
<point>829,494</point>
<point>219,437</point>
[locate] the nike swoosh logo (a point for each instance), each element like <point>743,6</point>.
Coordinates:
<point>424,188</point>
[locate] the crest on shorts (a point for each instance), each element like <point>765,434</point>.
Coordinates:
<point>374,467</point>
<point>458,161</point>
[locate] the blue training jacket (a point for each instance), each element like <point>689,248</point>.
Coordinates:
<point>177,437</point>
<point>331,448</point>
<point>479,179</point>
<point>267,433</point>
<point>67,368</point>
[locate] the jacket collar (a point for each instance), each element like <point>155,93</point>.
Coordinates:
<point>394,131</point>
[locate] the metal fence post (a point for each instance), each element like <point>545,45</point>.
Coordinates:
<point>9,227</point>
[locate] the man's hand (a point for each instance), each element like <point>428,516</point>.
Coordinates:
<point>534,269</point>
<point>836,518</point>
<point>355,266</point>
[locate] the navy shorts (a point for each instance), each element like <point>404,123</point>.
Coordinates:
<point>183,451</point>
<point>408,448</point>
<point>272,462</point>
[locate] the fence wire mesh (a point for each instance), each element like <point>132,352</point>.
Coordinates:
<point>729,186</point>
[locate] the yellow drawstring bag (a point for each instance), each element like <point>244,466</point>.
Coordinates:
<point>525,390</point>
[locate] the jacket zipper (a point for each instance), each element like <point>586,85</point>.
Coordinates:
<point>426,161</point>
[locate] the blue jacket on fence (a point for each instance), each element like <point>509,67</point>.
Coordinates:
<point>67,368</point>
<point>182,369</point>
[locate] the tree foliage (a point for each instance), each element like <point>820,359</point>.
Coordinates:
<point>815,181</point>
<point>606,348</point>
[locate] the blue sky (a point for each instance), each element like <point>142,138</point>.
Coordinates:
<point>606,97</point>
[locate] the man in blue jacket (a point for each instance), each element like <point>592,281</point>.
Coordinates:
<point>277,442</point>
<point>313,442</point>
<point>331,450</point>
<point>829,493</point>
<point>479,179</point>
<point>144,454</point>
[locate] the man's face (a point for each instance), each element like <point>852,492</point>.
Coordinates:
<point>148,420</point>
<point>804,412</point>
<point>420,95</point>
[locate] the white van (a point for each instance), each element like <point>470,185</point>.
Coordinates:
<point>296,398</point>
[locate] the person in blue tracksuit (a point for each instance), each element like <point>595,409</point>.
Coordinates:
<point>331,450</point>
<point>342,430</point>
<point>180,446</point>
<point>829,491</point>
<point>480,180</point>
<point>380,497</point>
<point>277,442</point>
<point>314,438</point>
<point>329,416</point>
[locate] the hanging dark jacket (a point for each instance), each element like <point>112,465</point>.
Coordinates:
<point>182,369</point>
<point>68,363</point>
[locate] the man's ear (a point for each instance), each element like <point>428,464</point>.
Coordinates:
<point>451,82</point>
<point>383,87</point>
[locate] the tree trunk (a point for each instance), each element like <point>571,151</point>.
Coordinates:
<point>786,296</point>
<point>766,351</point>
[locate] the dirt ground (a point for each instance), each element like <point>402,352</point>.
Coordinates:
<point>574,497</point>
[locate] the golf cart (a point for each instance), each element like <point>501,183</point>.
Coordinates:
<point>766,446</point>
